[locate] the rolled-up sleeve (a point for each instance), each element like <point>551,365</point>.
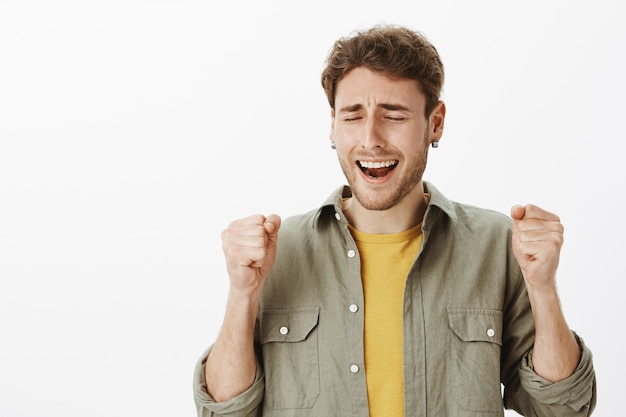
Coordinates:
<point>244,405</point>
<point>577,392</point>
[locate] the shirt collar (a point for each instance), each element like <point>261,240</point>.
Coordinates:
<point>334,203</point>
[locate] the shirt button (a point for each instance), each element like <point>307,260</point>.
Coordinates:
<point>283,330</point>
<point>351,253</point>
<point>354,308</point>
<point>337,216</point>
<point>354,368</point>
<point>491,332</point>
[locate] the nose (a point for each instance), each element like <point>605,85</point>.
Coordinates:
<point>372,134</point>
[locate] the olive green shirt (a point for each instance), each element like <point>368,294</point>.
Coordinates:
<point>468,327</point>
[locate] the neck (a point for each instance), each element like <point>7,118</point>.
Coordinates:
<point>407,213</point>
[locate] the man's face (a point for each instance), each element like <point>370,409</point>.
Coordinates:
<point>382,136</point>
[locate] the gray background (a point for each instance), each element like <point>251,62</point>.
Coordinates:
<point>132,132</point>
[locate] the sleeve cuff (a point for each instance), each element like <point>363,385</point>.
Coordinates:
<point>241,405</point>
<point>576,391</point>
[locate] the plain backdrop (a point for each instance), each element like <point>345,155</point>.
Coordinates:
<point>132,132</point>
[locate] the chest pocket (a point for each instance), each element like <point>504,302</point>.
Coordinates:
<point>288,339</point>
<point>475,359</point>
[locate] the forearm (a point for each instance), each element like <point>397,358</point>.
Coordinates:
<point>556,353</point>
<point>231,365</point>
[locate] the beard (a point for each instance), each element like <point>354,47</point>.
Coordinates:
<point>387,195</point>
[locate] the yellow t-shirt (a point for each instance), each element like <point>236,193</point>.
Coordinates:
<point>385,263</point>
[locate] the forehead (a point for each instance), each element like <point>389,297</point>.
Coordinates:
<point>371,88</point>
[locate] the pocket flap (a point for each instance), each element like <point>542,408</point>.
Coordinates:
<point>287,325</point>
<point>476,325</point>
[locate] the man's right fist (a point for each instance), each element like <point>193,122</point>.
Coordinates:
<point>250,248</point>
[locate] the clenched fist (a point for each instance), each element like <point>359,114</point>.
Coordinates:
<point>249,245</point>
<point>537,241</point>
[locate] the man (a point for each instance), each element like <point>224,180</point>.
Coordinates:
<point>389,299</point>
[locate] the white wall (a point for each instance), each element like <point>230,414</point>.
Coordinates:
<point>132,132</point>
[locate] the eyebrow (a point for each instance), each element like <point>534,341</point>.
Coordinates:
<point>386,106</point>
<point>390,106</point>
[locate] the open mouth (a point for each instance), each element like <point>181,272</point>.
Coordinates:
<point>377,169</point>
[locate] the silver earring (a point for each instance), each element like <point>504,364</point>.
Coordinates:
<point>333,145</point>
<point>435,144</point>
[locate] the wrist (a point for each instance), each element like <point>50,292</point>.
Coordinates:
<point>243,305</point>
<point>244,296</point>
<point>545,295</point>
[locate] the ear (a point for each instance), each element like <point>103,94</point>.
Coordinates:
<point>332,125</point>
<point>436,122</point>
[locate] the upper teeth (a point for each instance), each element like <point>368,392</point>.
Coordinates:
<point>384,164</point>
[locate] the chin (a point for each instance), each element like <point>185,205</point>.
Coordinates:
<point>375,202</point>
